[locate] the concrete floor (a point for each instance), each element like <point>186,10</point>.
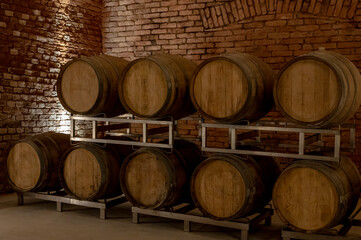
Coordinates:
<point>39,220</point>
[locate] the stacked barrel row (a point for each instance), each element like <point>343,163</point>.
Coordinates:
<point>149,177</point>
<point>320,89</point>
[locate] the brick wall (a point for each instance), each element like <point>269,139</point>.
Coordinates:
<point>36,37</point>
<point>275,31</point>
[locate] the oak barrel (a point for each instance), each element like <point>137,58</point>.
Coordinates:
<point>32,163</point>
<point>88,85</point>
<point>227,186</point>
<point>90,172</point>
<point>318,89</point>
<point>232,88</point>
<point>154,178</point>
<point>157,87</point>
<point>310,196</point>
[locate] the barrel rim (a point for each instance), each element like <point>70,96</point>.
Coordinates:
<point>124,166</point>
<point>90,147</point>
<point>319,123</point>
<point>167,76</point>
<point>355,74</point>
<point>63,68</point>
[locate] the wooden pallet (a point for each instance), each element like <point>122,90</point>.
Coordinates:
<point>332,234</point>
<point>244,224</point>
<point>60,198</point>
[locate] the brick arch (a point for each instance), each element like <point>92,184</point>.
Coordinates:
<point>234,11</point>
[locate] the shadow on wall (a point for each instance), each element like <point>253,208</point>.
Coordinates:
<point>37,38</point>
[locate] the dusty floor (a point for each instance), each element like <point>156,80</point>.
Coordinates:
<point>39,220</point>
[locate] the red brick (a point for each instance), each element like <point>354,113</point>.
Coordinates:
<point>234,17</point>
<point>194,29</point>
<point>169,14</point>
<point>214,17</point>
<point>187,46</point>
<point>279,6</point>
<point>190,30</point>
<point>277,48</point>
<point>195,40</point>
<point>245,8</point>
<point>257,7</point>
<point>349,44</point>
<point>196,6</point>
<point>276,23</point>
<point>279,35</point>
<point>352,10</point>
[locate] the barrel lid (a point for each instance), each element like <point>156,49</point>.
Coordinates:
<point>79,86</point>
<point>219,88</point>
<point>23,166</point>
<point>307,89</point>
<point>82,173</point>
<point>306,198</point>
<point>145,87</point>
<point>146,178</point>
<point>218,188</point>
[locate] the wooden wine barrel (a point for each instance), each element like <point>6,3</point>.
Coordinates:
<point>90,172</point>
<point>88,86</point>
<point>232,88</point>
<point>157,87</point>
<point>310,196</point>
<point>318,89</point>
<point>32,163</point>
<point>227,186</point>
<point>153,178</point>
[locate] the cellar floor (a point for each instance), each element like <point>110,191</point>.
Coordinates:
<point>39,220</point>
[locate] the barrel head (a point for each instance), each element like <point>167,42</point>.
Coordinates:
<point>306,199</point>
<point>82,173</point>
<point>220,88</point>
<point>146,180</point>
<point>308,91</point>
<point>79,87</point>
<point>219,188</point>
<point>23,166</point>
<point>145,88</point>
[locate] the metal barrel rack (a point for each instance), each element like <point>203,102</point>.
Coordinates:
<point>304,142</point>
<point>336,233</point>
<point>152,129</point>
<point>244,224</point>
<point>109,124</point>
<point>164,129</point>
<point>61,198</point>
<point>308,145</point>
